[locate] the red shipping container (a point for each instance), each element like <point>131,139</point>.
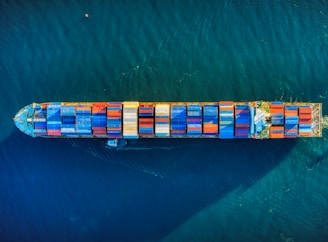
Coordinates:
<point>305,110</point>
<point>98,128</point>
<point>194,128</point>
<point>226,102</point>
<point>54,132</point>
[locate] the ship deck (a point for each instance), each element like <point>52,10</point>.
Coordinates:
<point>130,120</point>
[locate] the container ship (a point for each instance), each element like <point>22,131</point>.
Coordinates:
<point>133,120</point>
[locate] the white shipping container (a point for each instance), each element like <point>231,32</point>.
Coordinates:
<point>68,130</point>
<point>39,120</point>
<point>130,118</point>
<point>162,129</point>
<point>162,109</point>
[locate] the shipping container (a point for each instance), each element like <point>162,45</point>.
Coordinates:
<point>83,120</point>
<point>277,113</point>
<point>99,119</point>
<point>178,120</point>
<point>114,120</point>
<point>67,110</point>
<point>130,120</point>
<point>162,120</point>
<point>40,113</point>
<point>305,117</point>
<point>146,120</point>
<point>210,120</point>
<point>277,132</point>
<point>226,120</point>
<point>68,120</point>
<point>40,132</point>
<point>242,120</point>
<point>194,120</point>
<point>291,121</point>
<point>53,119</point>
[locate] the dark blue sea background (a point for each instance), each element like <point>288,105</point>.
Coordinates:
<point>162,189</point>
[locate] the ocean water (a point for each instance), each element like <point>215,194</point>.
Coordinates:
<point>162,190</point>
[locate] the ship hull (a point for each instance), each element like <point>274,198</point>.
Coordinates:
<point>133,120</point>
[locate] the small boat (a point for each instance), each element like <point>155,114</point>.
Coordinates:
<point>116,143</point>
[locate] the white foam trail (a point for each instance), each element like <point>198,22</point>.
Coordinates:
<point>325,122</point>
<point>111,158</point>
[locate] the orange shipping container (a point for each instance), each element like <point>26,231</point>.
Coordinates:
<point>208,126</point>
<point>276,111</point>
<point>290,113</point>
<point>305,115</point>
<point>276,106</point>
<point>162,120</point>
<point>113,129</point>
<point>277,136</point>
<point>84,108</point>
<point>226,108</point>
<point>305,110</point>
<point>305,133</point>
<point>100,104</point>
<point>115,105</point>
<point>277,128</point>
<point>114,113</point>
<point>210,129</point>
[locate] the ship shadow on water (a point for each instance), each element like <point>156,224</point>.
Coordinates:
<point>141,193</point>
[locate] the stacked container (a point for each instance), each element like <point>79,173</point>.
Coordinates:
<point>277,120</point>
<point>130,120</point>
<point>162,120</point>
<point>178,120</point>
<point>146,120</point>
<point>53,119</point>
<point>83,119</point>
<point>226,120</point>
<point>210,120</point>
<point>114,120</point>
<point>277,113</point>
<point>291,121</point>
<point>67,113</point>
<point>40,120</point>
<point>99,119</point>
<point>194,120</point>
<point>277,132</point>
<point>242,120</point>
<point>305,121</point>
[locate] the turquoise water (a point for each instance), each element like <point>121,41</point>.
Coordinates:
<point>170,190</point>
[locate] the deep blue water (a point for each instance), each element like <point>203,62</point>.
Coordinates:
<point>169,190</point>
